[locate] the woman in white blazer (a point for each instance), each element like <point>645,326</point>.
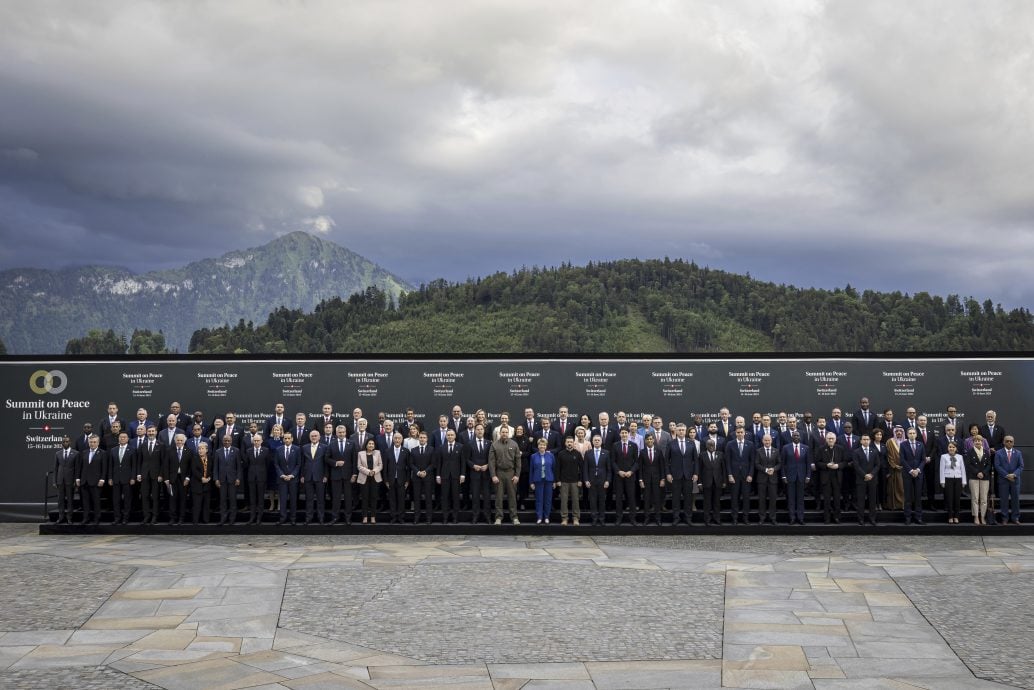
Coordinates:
<point>370,466</point>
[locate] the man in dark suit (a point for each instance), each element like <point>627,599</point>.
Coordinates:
<point>407,422</point>
<point>152,474</point>
<point>651,480</point>
<point>82,442</point>
<point>313,478</point>
<point>597,473</point>
<point>831,462</point>
<point>232,429</point>
<point>480,479</point>
<point>362,432</point>
<point>288,462</point>
<point>124,469</point>
<point>342,473</point>
<point>531,426</point>
<point>678,470</point>
<point>768,467</point>
<point>198,471</point>
<point>421,464</point>
<point>65,461</point>
<point>179,460</point>
<point>863,420</point>
<point>196,436</point>
<point>712,435</point>
<point>931,463</point>
<point>385,438</point>
<point>866,464</point>
<point>563,424</point>
<point>167,432</point>
<point>625,457</point>
<point>546,432</point>
<point>726,428</point>
<point>280,417</point>
<point>180,419</point>
<point>886,422</point>
<point>228,470</point>
<point>739,470</point>
<point>608,434</point>
<point>457,421</point>
<point>90,476</point>
<point>255,467</point>
<point>396,477</point>
<point>835,423</point>
<point>110,419</point>
<point>710,473</point>
<point>110,440</point>
<point>952,419</point>
<point>326,417</point>
<point>912,467</point>
<point>796,463</point>
<point>948,435</point>
<point>450,472</point>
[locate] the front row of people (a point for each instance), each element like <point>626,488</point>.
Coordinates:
<point>626,472</point>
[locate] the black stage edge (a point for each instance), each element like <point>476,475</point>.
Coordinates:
<point>531,529</point>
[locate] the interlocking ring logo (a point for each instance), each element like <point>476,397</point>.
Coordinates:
<point>48,378</point>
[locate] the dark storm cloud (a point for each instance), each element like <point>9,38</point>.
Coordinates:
<point>880,144</point>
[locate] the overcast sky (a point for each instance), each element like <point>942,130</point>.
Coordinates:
<point>882,144</point>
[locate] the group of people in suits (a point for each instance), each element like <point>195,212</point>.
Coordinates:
<point>347,465</point>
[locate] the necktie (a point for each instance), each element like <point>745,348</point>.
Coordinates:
<point>682,447</point>
<point>450,447</point>
<point>67,453</point>
<point>421,450</point>
<point>651,455</point>
<point>741,447</point>
<point>341,446</point>
<point>563,426</point>
<point>913,447</point>
<point>796,452</point>
<point>624,449</point>
<point>90,460</point>
<point>1009,454</point>
<point>768,453</point>
<point>150,447</point>
<point>597,458</point>
<point>179,454</point>
<point>479,446</point>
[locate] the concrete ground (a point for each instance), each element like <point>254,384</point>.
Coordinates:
<point>515,611</point>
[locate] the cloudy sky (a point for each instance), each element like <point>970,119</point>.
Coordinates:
<point>882,144</point>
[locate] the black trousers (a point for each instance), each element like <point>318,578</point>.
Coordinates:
<point>200,501</point>
<point>624,490</point>
<point>369,491</point>
<point>739,499</point>
<point>121,500</point>
<point>150,495</point>
<point>315,497</point>
<point>341,491</point>
<point>450,498</point>
<point>913,496</point>
<point>65,501</point>
<point>712,503</point>
<point>768,491</point>
<point>597,501</point>
<point>227,502</point>
<point>480,491</point>
<point>288,499</point>
<point>651,491</point>
<point>832,495</point>
<point>953,496</point>
<point>178,500</point>
<point>396,489</point>
<point>681,500</point>
<point>423,497</point>
<point>866,490</point>
<point>256,497</point>
<point>91,497</point>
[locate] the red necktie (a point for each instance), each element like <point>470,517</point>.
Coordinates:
<point>797,452</point>
<point>624,449</point>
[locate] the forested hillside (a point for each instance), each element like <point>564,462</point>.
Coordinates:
<point>628,306</point>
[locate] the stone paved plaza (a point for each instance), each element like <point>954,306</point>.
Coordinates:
<point>512,611</point>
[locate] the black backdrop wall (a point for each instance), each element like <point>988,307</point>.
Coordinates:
<point>44,399</point>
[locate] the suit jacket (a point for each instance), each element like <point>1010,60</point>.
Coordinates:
<point>396,469</point>
<point>837,455</point>
<point>363,460</point>
<point>183,421</point>
<point>81,442</point>
<point>286,422</point>
<point>539,464</point>
<point>929,443</point>
<point>795,469</point>
<point>237,436</point>
<point>710,468</point>
<point>1005,465</point>
<point>848,447</point>
<point>739,465</point>
<point>912,460</point>
<point>457,425</point>
<point>194,441</point>
<point>943,441</point>
<point>835,425</point>
<point>152,463</point>
<point>569,426</point>
<point>597,472</point>
<point>91,473</point>
<point>981,465</point>
<point>167,437</point>
<point>552,439</point>
<point>859,423</point>
<point>228,469</point>
<point>678,464</point>
<point>452,465</point>
<point>727,430</point>
<point>124,469</point>
<point>887,427</point>
<point>626,462</point>
<point>176,469</point>
<point>476,457</point>
<point>816,441</point>
<point>866,464</point>
<point>651,470</point>
<point>105,426</point>
<point>335,453</point>
<point>995,438</point>
<point>64,468</point>
<point>607,434</point>
<point>313,463</point>
<point>256,468</point>
<point>434,437</point>
<point>288,461</point>
<point>196,470</point>
<point>764,460</point>
<point>383,442</point>
<point>660,440</point>
<point>421,461</point>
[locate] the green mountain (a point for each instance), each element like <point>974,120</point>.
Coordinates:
<point>40,310</point>
<point>629,306</point>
